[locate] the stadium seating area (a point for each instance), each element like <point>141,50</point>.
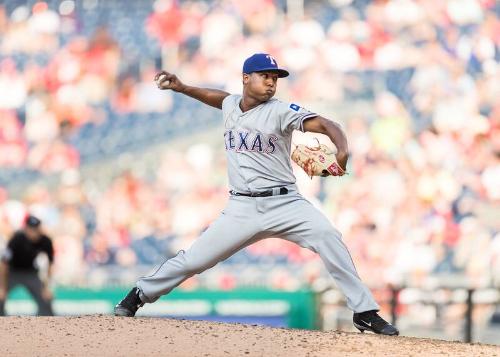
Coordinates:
<point>416,82</point>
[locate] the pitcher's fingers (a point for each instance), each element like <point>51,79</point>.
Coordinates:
<point>165,80</point>
<point>159,74</point>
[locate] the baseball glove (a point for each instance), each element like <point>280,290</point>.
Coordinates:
<point>317,161</point>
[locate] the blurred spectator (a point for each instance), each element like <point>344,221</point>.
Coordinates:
<point>12,143</point>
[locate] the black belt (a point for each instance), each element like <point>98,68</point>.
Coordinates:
<point>282,191</point>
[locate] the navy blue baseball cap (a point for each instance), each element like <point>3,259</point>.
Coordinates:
<point>261,62</point>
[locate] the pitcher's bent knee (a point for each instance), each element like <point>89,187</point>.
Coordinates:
<point>327,232</point>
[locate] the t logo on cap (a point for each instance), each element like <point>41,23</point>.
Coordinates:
<point>271,58</point>
<point>261,62</point>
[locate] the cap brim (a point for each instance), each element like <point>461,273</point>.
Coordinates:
<point>281,72</point>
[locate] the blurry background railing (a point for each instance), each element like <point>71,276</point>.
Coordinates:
<point>446,312</point>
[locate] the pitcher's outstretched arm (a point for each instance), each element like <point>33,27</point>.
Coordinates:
<point>212,97</point>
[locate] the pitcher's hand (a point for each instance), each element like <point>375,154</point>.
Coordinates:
<point>165,80</point>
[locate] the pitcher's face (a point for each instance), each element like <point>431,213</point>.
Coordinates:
<point>261,85</point>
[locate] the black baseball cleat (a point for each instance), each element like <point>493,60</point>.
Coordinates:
<point>129,305</point>
<point>371,321</point>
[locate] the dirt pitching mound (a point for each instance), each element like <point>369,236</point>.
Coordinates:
<point>111,336</point>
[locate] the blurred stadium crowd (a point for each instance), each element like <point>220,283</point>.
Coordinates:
<point>416,85</point>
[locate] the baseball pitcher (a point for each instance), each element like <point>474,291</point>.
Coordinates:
<point>263,198</point>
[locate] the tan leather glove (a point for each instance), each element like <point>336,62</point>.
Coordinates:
<point>317,161</point>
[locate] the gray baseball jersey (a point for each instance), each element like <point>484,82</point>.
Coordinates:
<point>258,144</point>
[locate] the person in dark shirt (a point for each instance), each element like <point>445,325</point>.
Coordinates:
<point>17,266</point>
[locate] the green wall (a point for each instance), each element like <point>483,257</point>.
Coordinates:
<point>297,309</point>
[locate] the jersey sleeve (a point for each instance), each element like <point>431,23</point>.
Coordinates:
<point>49,249</point>
<point>292,116</point>
<point>6,254</point>
<point>229,103</point>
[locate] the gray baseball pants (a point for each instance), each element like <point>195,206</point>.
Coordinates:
<point>246,220</point>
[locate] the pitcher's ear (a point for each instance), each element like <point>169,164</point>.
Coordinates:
<point>246,78</point>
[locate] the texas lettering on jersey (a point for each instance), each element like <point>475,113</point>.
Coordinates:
<point>247,141</point>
